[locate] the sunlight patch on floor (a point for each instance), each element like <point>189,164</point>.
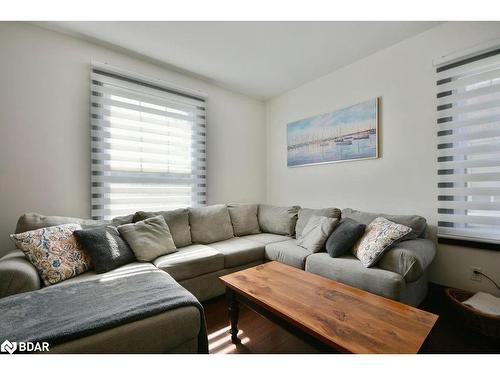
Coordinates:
<point>219,341</point>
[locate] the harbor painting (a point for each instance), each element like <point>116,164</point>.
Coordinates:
<point>343,135</point>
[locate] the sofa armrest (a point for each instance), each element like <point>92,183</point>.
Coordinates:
<point>409,258</point>
<point>17,274</point>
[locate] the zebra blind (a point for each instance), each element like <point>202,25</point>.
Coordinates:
<point>148,146</point>
<point>468,123</point>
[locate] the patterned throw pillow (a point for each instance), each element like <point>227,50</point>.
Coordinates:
<point>54,252</point>
<point>379,236</point>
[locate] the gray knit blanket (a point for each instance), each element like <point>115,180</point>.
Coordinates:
<point>66,312</point>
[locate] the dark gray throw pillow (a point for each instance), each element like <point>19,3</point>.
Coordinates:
<point>344,236</point>
<point>105,247</point>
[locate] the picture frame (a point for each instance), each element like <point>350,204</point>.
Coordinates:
<point>347,134</point>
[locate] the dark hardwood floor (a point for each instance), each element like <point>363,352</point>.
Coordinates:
<point>259,335</point>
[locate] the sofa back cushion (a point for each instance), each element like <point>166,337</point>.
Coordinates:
<point>305,214</point>
<point>244,219</point>
<point>148,238</point>
<point>210,224</point>
<point>177,221</point>
<point>278,220</point>
<point>33,220</point>
<point>54,251</point>
<point>120,220</point>
<point>418,224</point>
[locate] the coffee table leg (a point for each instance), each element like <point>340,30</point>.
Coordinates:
<point>234,313</point>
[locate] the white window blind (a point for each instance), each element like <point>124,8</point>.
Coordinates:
<point>468,124</point>
<point>148,145</point>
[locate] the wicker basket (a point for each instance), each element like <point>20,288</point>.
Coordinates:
<point>486,324</point>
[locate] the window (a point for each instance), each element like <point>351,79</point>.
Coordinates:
<point>148,145</point>
<point>468,124</point>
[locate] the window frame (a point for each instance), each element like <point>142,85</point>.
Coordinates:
<point>184,109</point>
<point>472,241</point>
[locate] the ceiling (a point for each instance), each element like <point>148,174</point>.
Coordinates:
<point>259,59</point>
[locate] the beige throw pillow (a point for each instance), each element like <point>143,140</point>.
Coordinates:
<point>177,221</point>
<point>379,236</point>
<point>316,232</point>
<point>148,238</point>
<point>306,213</point>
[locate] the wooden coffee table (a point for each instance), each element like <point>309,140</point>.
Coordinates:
<point>330,315</point>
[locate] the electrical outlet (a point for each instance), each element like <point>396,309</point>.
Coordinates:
<point>476,276</point>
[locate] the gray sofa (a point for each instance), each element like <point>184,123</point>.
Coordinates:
<point>400,275</point>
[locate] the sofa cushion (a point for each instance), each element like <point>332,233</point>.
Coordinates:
<point>171,331</point>
<point>410,258</point>
<point>122,271</point>
<point>148,238</point>
<point>418,224</point>
<point>106,248</point>
<point>239,251</point>
<point>316,232</point>
<point>32,221</point>
<point>210,224</point>
<point>305,214</point>
<point>244,219</point>
<point>120,220</point>
<point>287,252</point>
<point>379,236</point>
<point>191,261</point>
<point>177,221</point>
<point>17,274</point>
<point>54,252</point>
<point>266,238</point>
<point>344,236</point>
<point>278,220</point>
<point>349,270</point>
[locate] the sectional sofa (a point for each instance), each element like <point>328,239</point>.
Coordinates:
<point>220,240</point>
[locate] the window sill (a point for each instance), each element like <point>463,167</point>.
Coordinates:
<point>471,244</point>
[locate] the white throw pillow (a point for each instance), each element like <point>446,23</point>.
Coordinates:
<point>379,236</point>
<point>316,232</point>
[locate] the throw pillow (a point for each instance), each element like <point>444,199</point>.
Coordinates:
<point>305,214</point>
<point>244,219</point>
<point>210,224</point>
<point>177,221</point>
<point>106,248</point>
<point>148,238</point>
<point>278,220</point>
<point>344,237</point>
<point>54,252</point>
<point>316,232</point>
<point>380,235</point>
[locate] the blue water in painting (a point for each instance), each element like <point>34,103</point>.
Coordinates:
<point>330,151</point>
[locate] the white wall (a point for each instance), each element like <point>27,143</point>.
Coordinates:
<point>44,138</point>
<point>45,133</point>
<point>404,179</point>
